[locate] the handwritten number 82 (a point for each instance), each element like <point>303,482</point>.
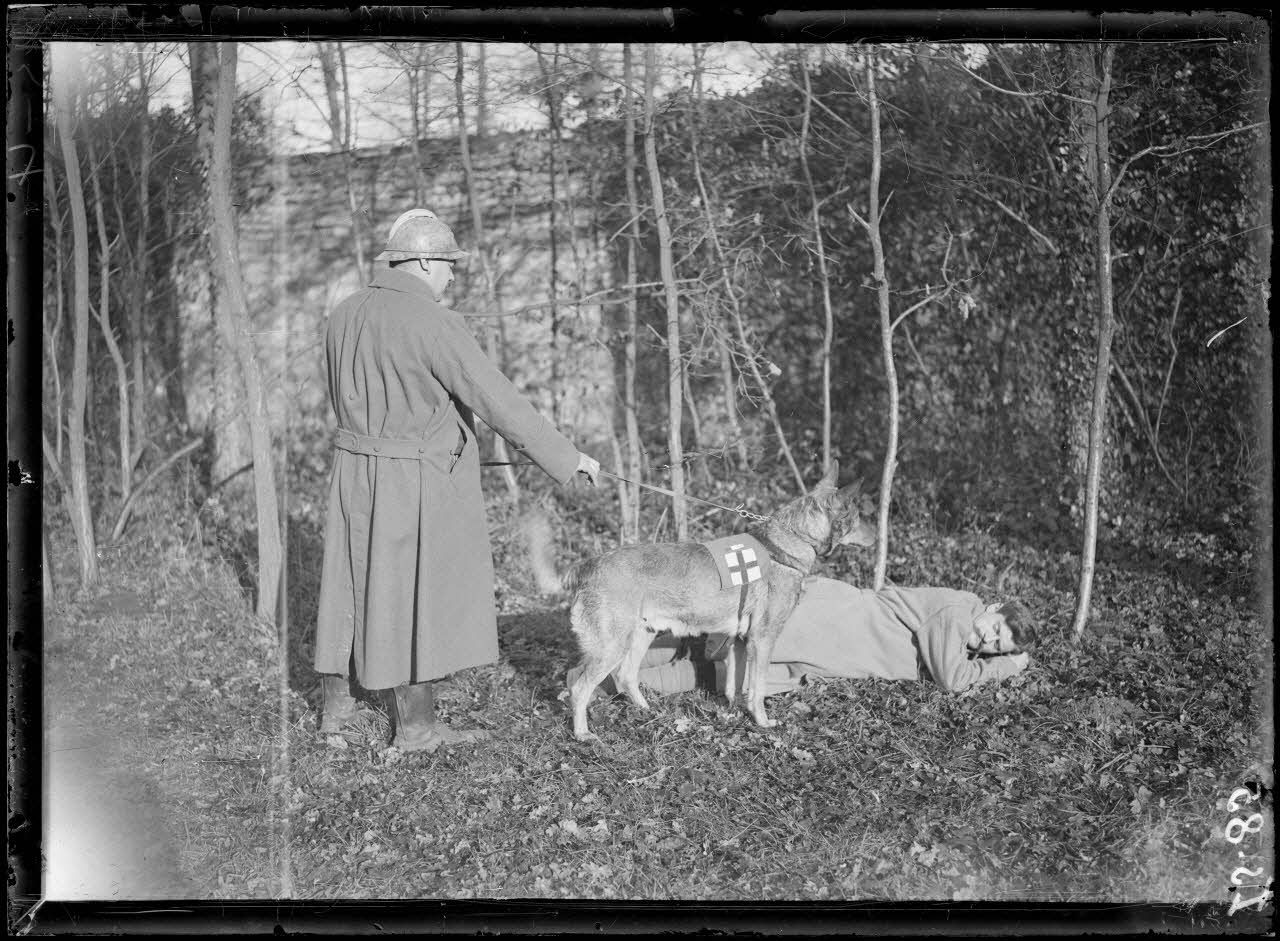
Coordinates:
<point>1243,827</point>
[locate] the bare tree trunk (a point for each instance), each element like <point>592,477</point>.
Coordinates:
<point>695,428</point>
<point>333,65</point>
<point>593,112</point>
<point>872,225</point>
<point>482,91</point>
<point>1168,375</point>
<point>136,316</point>
<point>814,207</point>
<point>414,72</point>
<point>54,329</point>
<point>634,447</point>
<point>624,497</point>
<point>482,254</point>
<point>216,153</point>
<point>113,348</point>
<point>553,142</point>
<point>729,391</point>
<point>740,327</point>
<point>81,515</point>
<point>226,427</point>
<point>728,385</point>
<point>1101,162</point>
<point>64,486</point>
<point>675,363</point>
<point>420,70</point>
<point>771,406</point>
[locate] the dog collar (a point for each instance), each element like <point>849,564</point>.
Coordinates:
<point>781,556</point>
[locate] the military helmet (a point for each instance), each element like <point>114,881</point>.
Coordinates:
<point>419,233</point>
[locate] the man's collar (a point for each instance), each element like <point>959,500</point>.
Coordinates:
<point>388,277</point>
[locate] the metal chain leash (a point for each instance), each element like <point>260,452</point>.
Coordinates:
<point>740,509</point>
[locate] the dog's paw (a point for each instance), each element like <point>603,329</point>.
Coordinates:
<point>593,743</point>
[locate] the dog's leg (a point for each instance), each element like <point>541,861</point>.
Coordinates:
<point>736,650</point>
<point>597,662</point>
<point>629,669</point>
<point>731,670</point>
<point>759,650</point>
<point>580,691</point>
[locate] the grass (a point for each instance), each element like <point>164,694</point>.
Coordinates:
<point>1100,774</point>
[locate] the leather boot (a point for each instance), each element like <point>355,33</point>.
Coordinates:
<point>339,705</point>
<point>414,705</point>
<point>416,726</point>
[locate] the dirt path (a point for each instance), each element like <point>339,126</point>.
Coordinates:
<point>105,835</point>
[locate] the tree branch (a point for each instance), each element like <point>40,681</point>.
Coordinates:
<point>1007,91</point>
<point>52,458</point>
<point>1144,424</point>
<point>1165,151</point>
<point>122,520</point>
<point>858,218</point>
<point>581,301</point>
<point>1173,349</point>
<point>824,107</point>
<point>1040,236</point>
<point>935,296</point>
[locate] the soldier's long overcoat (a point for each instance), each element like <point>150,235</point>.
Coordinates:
<point>407,577</point>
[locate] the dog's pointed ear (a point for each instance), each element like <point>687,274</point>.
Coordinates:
<point>852,491</point>
<point>853,496</point>
<point>828,481</point>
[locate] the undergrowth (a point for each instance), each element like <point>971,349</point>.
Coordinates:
<point>1102,773</point>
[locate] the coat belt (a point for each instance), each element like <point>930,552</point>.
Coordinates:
<point>374,446</point>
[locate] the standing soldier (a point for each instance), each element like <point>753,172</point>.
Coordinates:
<point>406,590</point>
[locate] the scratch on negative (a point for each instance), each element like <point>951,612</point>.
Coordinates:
<point>1215,337</point>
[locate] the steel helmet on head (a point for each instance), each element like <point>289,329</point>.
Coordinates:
<point>419,233</point>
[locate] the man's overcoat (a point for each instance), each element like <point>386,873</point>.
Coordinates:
<point>407,578</point>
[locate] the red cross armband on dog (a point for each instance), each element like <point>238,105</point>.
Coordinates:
<point>740,560</point>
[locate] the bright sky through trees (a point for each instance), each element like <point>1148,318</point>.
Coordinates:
<point>287,75</point>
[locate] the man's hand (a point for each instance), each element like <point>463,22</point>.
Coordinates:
<point>588,465</point>
<point>1020,660</point>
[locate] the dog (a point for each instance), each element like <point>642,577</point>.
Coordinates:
<point>621,599</point>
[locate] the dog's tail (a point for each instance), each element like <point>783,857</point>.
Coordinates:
<point>538,537</point>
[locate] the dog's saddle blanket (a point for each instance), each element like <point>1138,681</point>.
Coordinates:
<point>739,559</point>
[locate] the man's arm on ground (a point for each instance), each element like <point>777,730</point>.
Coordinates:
<point>947,658</point>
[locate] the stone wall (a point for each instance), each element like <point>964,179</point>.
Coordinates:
<point>298,260</point>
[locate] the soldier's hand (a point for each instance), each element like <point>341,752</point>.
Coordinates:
<point>588,465</point>
<point>1020,660</point>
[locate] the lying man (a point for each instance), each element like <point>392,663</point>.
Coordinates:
<point>838,630</point>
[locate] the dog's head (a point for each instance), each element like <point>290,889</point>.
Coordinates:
<point>850,512</point>
<point>829,516</point>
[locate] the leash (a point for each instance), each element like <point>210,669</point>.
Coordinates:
<point>740,509</point>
